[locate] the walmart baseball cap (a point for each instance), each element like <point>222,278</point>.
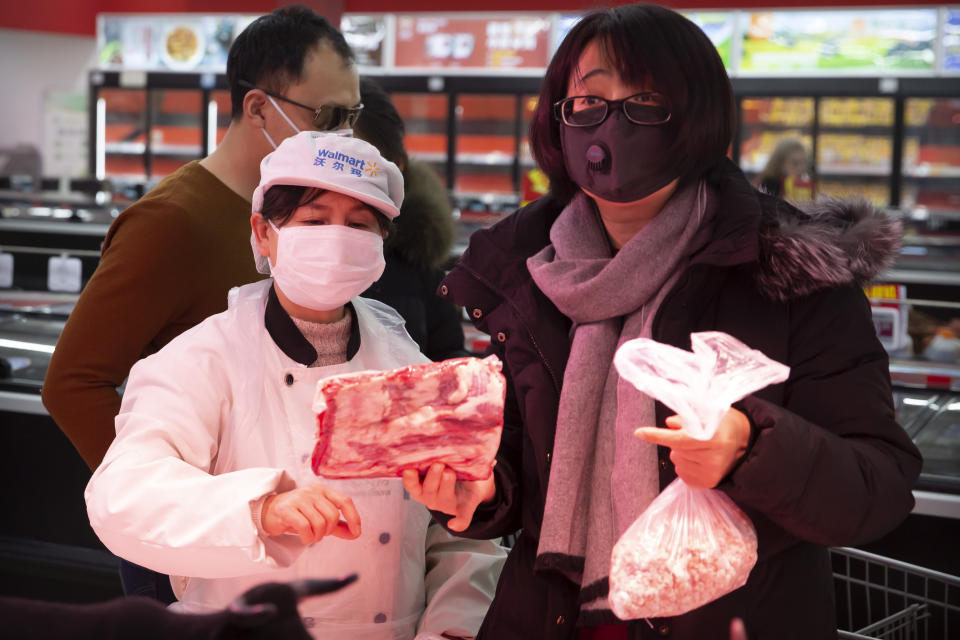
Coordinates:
<point>335,162</point>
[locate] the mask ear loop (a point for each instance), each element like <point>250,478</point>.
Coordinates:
<point>295,128</point>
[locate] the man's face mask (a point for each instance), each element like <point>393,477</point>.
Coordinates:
<point>615,149</point>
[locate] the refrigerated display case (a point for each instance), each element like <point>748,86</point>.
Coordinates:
<point>864,135</point>
<point>765,122</point>
<point>931,157</point>
<point>145,125</point>
<point>52,239</point>
<point>854,148</point>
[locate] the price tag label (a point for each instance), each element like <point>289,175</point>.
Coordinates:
<point>6,270</point>
<point>64,274</point>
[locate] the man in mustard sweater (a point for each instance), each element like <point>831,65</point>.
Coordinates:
<point>169,259</point>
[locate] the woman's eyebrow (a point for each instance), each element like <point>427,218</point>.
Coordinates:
<point>594,72</point>
<point>320,206</point>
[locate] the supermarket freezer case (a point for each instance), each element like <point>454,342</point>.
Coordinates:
<point>47,547</point>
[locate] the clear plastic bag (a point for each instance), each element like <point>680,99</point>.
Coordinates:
<point>690,546</point>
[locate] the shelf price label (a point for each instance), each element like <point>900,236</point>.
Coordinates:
<point>64,273</point>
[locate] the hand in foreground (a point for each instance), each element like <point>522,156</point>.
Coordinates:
<point>702,464</point>
<point>270,611</point>
<point>441,491</point>
<point>737,630</point>
<point>312,513</point>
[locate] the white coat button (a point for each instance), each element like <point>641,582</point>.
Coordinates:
<point>309,622</point>
<point>380,617</point>
<point>384,538</point>
<point>288,379</point>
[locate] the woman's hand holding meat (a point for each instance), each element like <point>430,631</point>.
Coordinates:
<point>702,464</point>
<point>312,513</point>
<point>440,490</point>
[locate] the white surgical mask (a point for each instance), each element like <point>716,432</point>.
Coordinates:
<point>295,128</point>
<point>324,267</point>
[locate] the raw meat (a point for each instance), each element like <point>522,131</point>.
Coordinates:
<point>688,548</point>
<point>375,424</point>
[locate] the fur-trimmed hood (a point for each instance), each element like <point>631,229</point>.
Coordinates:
<point>823,244</point>
<point>425,229</point>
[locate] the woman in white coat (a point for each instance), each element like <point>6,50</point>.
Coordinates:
<point>209,477</point>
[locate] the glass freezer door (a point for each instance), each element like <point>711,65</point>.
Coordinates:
<point>425,121</point>
<point>124,133</point>
<point>176,129</point>
<point>765,123</point>
<point>931,156</point>
<point>854,144</point>
<point>486,144</point>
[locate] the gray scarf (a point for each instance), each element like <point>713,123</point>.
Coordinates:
<point>602,477</point>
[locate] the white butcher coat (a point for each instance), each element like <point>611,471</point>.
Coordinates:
<point>211,423</point>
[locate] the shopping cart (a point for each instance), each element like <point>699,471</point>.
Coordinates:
<point>879,597</point>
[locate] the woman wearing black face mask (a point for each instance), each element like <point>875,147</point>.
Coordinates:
<point>650,231</point>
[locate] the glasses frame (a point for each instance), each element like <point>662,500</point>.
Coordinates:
<point>610,106</point>
<point>350,117</point>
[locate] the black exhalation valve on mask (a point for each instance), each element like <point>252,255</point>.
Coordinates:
<point>598,158</point>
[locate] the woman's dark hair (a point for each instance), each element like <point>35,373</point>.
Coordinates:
<point>380,124</point>
<point>270,52</point>
<point>658,47</point>
<point>282,200</point>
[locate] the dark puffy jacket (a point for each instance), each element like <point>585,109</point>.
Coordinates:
<point>830,465</point>
<point>414,254</point>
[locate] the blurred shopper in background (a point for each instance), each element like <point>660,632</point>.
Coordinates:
<point>421,242</point>
<point>170,258</point>
<point>651,231</point>
<point>787,171</point>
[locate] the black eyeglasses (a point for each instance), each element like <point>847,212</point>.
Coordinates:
<point>326,117</point>
<point>589,111</point>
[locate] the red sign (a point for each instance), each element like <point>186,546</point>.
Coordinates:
<point>475,43</point>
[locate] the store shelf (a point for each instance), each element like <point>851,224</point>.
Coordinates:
<point>54,226</point>
<point>494,159</point>
<point>852,170</point>
<point>926,171</point>
<point>943,505</point>
<point>911,276</point>
<point>139,148</point>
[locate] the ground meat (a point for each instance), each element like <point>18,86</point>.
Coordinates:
<point>690,547</point>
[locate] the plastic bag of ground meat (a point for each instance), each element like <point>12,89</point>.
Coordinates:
<point>690,546</point>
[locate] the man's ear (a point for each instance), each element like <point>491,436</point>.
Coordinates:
<point>253,104</point>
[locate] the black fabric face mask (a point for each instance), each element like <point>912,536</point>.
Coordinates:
<point>617,160</point>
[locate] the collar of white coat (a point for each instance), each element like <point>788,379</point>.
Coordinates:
<point>288,338</point>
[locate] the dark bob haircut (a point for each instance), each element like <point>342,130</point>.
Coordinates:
<point>270,52</point>
<point>282,200</point>
<point>658,47</point>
